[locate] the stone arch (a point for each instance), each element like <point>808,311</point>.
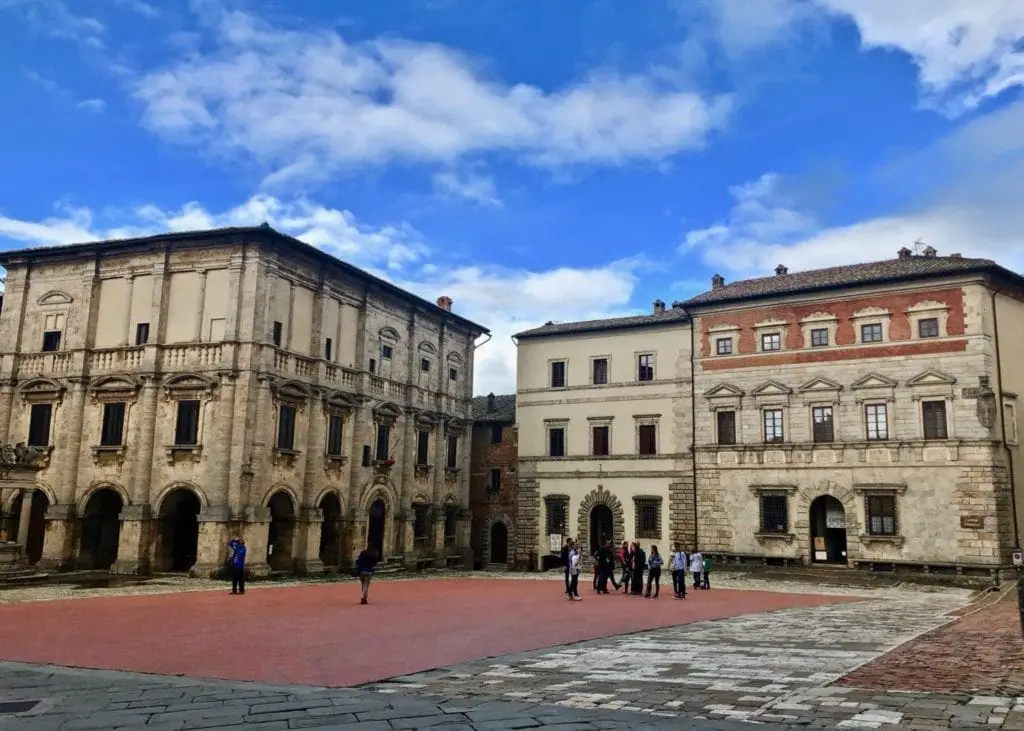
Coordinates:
<point>379,530</point>
<point>189,382</point>
<point>846,497</point>
<point>330,491</point>
<point>291,391</point>
<point>281,532</point>
<point>389,333</point>
<point>177,526</point>
<point>387,409</point>
<point>180,485</point>
<point>600,496</point>
<point>332,511</point>
<point>427,348</point>
<point>55,297</point>
<point>96,487</point>
<point>379,487</point>
<point>41,387</point>
<point>99,525</point>
<point>455,358</point>
<point>485,538</point>
<point>281,487</point>
<point>45,489</point>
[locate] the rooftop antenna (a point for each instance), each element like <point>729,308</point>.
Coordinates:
<point>919,246</point>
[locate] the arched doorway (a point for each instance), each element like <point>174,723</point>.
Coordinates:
<point>33,543</point>
<point>282,532</point>
<point>178,535</point>
<point>375,527</point>
<point>602,526</point>
<point>330,531</point>
<point>828,530</point>
<point>101,529</point>
<point>499,542</point>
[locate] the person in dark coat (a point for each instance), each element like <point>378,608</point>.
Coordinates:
<point>626,562</point>
<point>365,565</point>
<point>639,565</point>
<point>565,563</point>
<point>605,567</point>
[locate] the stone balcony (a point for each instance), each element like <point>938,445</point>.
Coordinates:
<point>848,454</point>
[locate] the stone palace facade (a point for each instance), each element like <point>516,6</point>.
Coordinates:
<point>189,387</point>
<point>864,415</point>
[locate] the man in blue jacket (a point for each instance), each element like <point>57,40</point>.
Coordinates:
<point>237,565</point>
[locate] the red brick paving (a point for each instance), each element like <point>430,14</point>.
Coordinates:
<point>319,634</point>
<point>978,653</point>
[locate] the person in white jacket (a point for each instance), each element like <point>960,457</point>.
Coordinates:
<point>696,568</point>
<point>679,564</point>
<point>575,566</point>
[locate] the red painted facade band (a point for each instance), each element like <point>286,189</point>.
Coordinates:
<point>825,356</point>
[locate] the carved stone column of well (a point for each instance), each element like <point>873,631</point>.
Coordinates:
<point>307,545</point>
<point>133,541</point>
<point>58,545</point>
<point>25,517</point>
<point>212,549</point>
<point>256,530</point>
<point>72,448</point>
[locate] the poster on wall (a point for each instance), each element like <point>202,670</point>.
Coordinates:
<point>555,542</point>
<point>835,519</point>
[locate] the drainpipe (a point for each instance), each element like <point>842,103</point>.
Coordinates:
<point>693,428</point>
<point>1009,457</point>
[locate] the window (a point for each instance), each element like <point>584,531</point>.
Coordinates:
<point>286,427</point>
<point>881,516</point>
<point>821,418</point>
<point>819,337</point>
<point>383,450</point>
<point>497,431</point>
<point>1010,418</point>
<point>726,427</point>
<point>277,333</point>
<point>601,440</point>
<point>876,421</point>
<point>723,346</point>
<point>648,518</point>
<point>335,426</point>
<point>373,365</point>
<point>328,348</point>
<point>51,340</point>
<point>425,365</point>
<point>186,428</point>
<point>648,438</point>
<point>871,333</point>
<point>934,413</point>
<point>39,420</point>
<point>452,452</point>
<point>453,374</point>
<point>600,371</point>
<point>422,448</point>
<point>494,481</point>
<point>420,523</point>
<point>557,514</point>
<point>386,351</point>
<point>771,341</point>
<point>112,431</point>
<point>645,367</point>
<point>928,327</point>
<point>772,425</point>
<point>142,333</point>
<point>774,513</point>
<point>556,442</point>
<point>558,374</point>
<point>451,525</point>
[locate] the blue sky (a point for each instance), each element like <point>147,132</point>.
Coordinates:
<point>535,160</point>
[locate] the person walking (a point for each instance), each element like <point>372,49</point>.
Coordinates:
<point>678,565</point>
<point>706,583</point>
<point>696,567</point>
<point>654,574</point>
<point>638,566</point>
<point>565,562</point>
<point>605,567</point>
<point>365,564</point>
<point>237,565</point>
<point>626,562</point>
<point>575,566</point>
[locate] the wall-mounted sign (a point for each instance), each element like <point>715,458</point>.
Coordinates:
<point>972,522</point>
<point>1018,558</point>
<point>555,542</point>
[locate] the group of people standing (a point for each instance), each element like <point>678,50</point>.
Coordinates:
<point>634,563</point>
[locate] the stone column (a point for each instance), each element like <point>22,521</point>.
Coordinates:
<point>256,531</point>
<point>440,458</point>
<point>127,339</point>
<point>358,523</point>
<point>26,516</point>
<point>307,544</point>
<point>212,551</point>
<point>201,301</point>
<point>408,482</point>
<point>6,404</point>
<point>315,448</point>
<point>361,428</point>
<point>218,442</point>
<point>72,448</point>
<point>58,545</point>
<point>133,542</point>
<point>144,460</point>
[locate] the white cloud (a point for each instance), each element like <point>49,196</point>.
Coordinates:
<point>92,105</point>
<point>467,185</point>
<point>54,18</point>
<point>312,102</point>
<point>504,300</point>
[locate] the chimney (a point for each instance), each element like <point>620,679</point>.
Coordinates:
<point>659,307</point>
<point>930,252</point>
<point>957,255</point>
<point>904,253</point>
<point>490,403</point>
<point>445,303</point>
<point>781,270</point>
<point>717,281</point>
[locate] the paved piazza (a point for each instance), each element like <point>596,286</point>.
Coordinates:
<point>776,668</point>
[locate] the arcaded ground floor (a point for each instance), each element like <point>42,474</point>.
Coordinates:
<point>784,655</point>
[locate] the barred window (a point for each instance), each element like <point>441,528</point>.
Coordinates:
<point>881,517</point>
<point>557,515</point>
<point>648,518</point>
<point>774,513</point>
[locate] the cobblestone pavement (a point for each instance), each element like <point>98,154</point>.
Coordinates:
<point>776,668</point>
<point>66,700</point>
<point>982,652</point>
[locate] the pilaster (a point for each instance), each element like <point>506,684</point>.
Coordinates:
<point>316,440</point>
<point>211,552</point>
<point>440,459</point>
<point>58,545</point>
<point>408,481</point>
<point>25,517</point>
<point>360,425</point>
<point>146,431</point>
<point>307,554</point>
<point>255,532</point>
<point>133,541</point>
<point>218,445</point>
<point>71,451</point>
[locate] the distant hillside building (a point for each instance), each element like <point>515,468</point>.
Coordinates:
<point>493,484</point>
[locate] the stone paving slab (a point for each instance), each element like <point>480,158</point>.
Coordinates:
<point>96,700</point>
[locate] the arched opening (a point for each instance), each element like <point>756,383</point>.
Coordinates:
<point>178,533</point>
<point>602,526</point>
<point>33,542</point>
<point>280,542</point>
<point>499,542</point>
<point>828,530</point>
<point>101,529</point>
<point>330,531</point>
<point>375,527</point>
